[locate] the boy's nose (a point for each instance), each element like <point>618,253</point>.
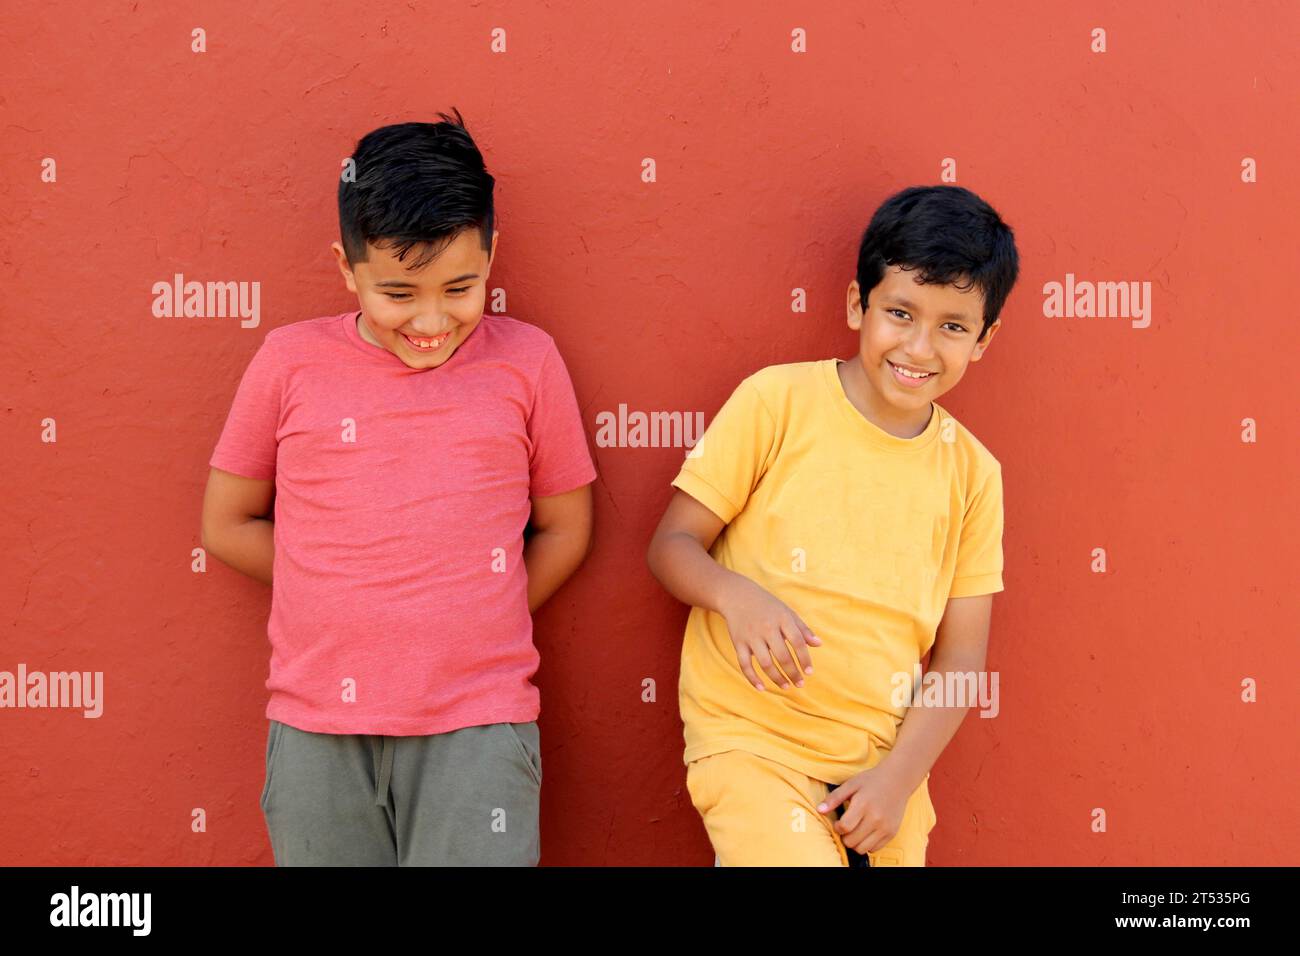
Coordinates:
<point>421,331</point>
<point>918,347</point>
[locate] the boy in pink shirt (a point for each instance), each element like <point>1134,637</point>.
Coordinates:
<point>407,446</point>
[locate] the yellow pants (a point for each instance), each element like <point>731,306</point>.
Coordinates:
<point>761,813</point>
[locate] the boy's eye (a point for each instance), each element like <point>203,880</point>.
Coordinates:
<point>953,325</point>
<point>400,296</point>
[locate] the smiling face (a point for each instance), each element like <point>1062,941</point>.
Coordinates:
<point>421,317</point>
<point>922,328</point>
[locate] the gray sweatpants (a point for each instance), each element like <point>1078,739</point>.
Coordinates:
<point>469,797</point>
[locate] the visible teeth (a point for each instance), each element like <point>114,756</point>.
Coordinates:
<point>428,343</point>
<point>913,374</point>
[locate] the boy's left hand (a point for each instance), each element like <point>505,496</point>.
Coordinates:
<point>874,812</point>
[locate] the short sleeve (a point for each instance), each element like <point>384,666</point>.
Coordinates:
<point>559,459</point>
<point>979,551</point>
<point>725,466</point>
<point>248,443</point>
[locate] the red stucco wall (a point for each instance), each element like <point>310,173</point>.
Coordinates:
<point>1120,690</point>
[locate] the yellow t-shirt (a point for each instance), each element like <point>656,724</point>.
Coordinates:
<point>861,533</point>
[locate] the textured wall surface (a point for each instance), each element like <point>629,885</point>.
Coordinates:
<point>1151,144</point>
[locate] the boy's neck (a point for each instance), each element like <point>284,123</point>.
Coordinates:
<point>871,407</point>
<point>363,330</point>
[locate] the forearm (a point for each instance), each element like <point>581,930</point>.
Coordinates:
<point>927,730</point>
<point>550,558</point>
<point>690,574</point>
<point>248,547</point>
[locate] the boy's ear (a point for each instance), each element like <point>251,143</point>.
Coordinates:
<point>492,253</point>
<point>854,306</point>
<point>341,256</point>
<point>988,338</point>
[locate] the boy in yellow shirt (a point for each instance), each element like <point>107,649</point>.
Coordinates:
<point>834,513</point>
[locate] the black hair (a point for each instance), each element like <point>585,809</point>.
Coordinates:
<point>948,233</point>
<point>415,184</point>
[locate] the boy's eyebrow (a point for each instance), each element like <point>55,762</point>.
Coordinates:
<point>401,284</point>
<point>899,300</point>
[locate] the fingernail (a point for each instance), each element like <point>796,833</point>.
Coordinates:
<point>799,684</point>
<point>807,670</point>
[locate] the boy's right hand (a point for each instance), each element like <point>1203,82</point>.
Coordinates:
<point>760,627</point>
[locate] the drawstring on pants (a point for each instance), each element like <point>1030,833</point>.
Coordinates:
<point>385,772</point>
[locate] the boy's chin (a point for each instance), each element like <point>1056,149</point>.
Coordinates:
<point>415,362</point>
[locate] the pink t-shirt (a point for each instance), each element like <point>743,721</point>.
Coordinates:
<point>400,603</point>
